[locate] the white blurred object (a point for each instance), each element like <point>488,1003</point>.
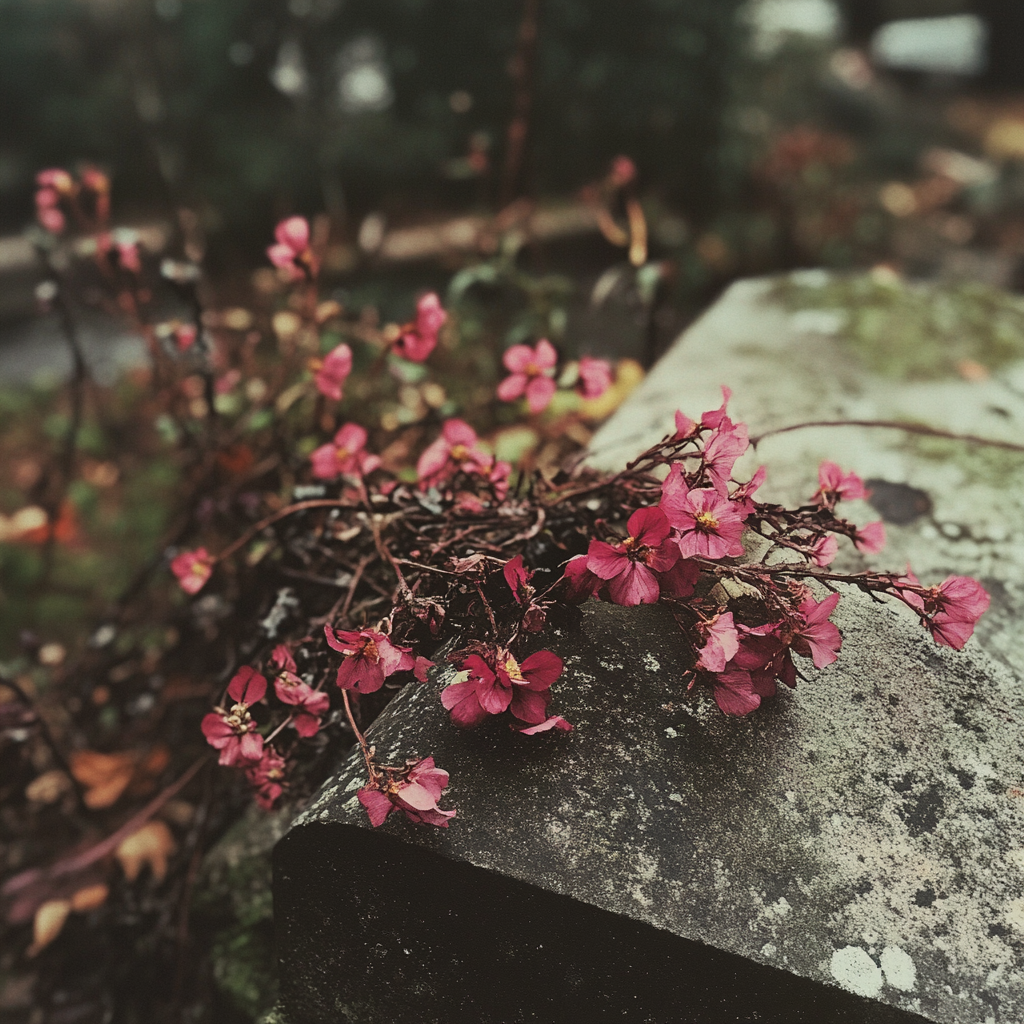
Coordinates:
<point>954,46</point>
<point>773,21</point>
<point>364,84</point>
<point>289,74</point>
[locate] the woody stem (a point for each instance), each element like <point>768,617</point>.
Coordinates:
<point>361,739</point>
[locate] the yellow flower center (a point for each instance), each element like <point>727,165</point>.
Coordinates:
<point>532,370</point>
<point>370,650</point>
<point>342,454</point>
<point>513,669</point>
<point>706,521</point>
<point>459,453</point>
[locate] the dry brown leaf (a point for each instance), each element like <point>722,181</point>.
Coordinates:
<point>151,845</point>
<point>90,897</point>
<point>104,776</point>
<point>48,788</point>
<point>48,924</point>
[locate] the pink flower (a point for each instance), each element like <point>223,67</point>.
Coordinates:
<point>814,636</point>
<point>414,791</point>
<point>554,722</point>
<point>707,522</point>
<point>595,377</point>
<point>267,777</point>
<point>57,179</point>
<point>370,658</point>
<point>128,255</point>
<point>712,419</point>
<point>419,338</point>
<point>48,209</point>
<point>185,336</point>
<point>722,643</point>
<point>579,582</point>
<point>824,550</point>
<point>309,704</point>
<point>332,371</point>
<point>193,569</point>
<point>743,495</point>
<point>518,577</point>
<point>291,252</point>
<point>531,371</point>
<point>871,538</point>
<point>457,449</point>
<point>949,610</point>
<point>726,445</point>
<point>503,684</point>
<point>344,455</point>
<point>233,732</point>
<point>622,172</point>
<point>735,692</point>
<point>833,486</point>
<point>281,659</point>
<point>631,567</point>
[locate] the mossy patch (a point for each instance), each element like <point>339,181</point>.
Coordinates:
<point>917,331</point>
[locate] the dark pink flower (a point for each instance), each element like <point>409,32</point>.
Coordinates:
<point>414,791</point>
<point>267,777</point>
<point>233,732</point>
<point>457,449</point>
<point>631,567</point>
<point>531,371</point>
<point>824,550</point>
<point>501,683</point>
<point>332,371</point>
<point>554,722</point>
<point>871,538</point>
<point>308,704</point>
<point>949,610</point>
<point>291,251</point>
<point>814,636</point>
<point>420,668</point>
<point>727,443</point>
<point>707,522</point>
<point>743,495</point>
<point>518,577</point>
<point>419,338</point>
<point>579,582</point>
<point>345,454</point>
<point>735,692</point>
<point>370,658</point>
<point>595,377</point>
<point>721,643</point>
<point>833,486</point>
<point>193,569</point>
<point>281,659</point>
<point>56,178</point>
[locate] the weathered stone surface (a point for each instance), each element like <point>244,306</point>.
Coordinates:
<point>790,366</point>
<point>853,852</point>
<point>862,832</point>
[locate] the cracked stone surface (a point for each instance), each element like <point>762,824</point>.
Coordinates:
<point>852,852</point>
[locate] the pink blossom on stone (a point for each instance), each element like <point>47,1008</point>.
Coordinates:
<point>531,372</point>
<point>949,610</point>
<point>332,371</point>
<point>309,704</point>
<point>834,486</point>
<point>233,731</point>
<point>743,495</point>
<point>193,569</point>
<point>631,568</point>
<point>345,455</point>
<point>871,538</point>
<point>824,550</point>
<point>501,683</point>
<point>685,427</point>
<point>370,658</point>
<point>726,445</point>
<point>721,643</point>
<point>708,523</point>
<point>554,722</point>
<point>814,636</point>
<point>267,777</point>
<point>735,693</point>
<point>415,792</point>
<point>579,582</point>
<point>715,418</point>
<point>420,668</point>
<point>595,377</point>
<point>456,449</point>
<point>419,338</point>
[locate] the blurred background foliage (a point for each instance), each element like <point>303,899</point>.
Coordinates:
<point>252,107</point>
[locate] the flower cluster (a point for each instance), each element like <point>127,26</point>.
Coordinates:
<point>532,376</point>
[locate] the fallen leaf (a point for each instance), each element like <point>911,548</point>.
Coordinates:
<point>104,776</point>
<point>48,924</point>
<point>152,845</point>
<point>90,897</point>
<point>48,788</point>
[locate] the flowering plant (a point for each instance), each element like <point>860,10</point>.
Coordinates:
<point>439,548</point>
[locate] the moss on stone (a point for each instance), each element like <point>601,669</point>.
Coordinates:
<point>917,331</point>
